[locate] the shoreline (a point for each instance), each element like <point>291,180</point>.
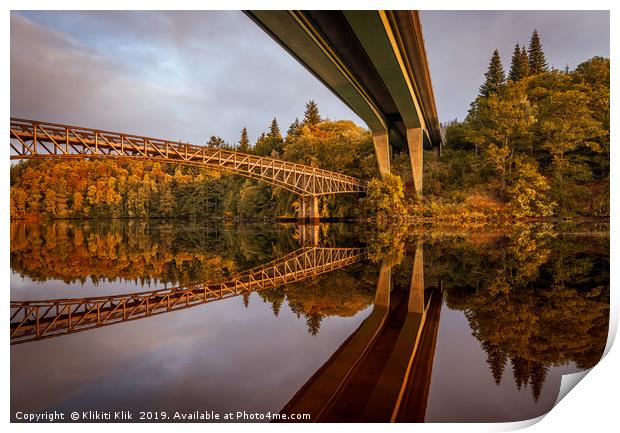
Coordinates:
<point>352,220</point>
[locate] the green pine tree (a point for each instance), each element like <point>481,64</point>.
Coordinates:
<point>294,128</point>
<point>215,141</point>
<point>311,115</point>
<point>496,358</point>
<point>261,146</point>
<point>274,129</point>
<point>537,60</point>
<point>525,62</point>
<point>495,76</point>
<point>521,370</point>
<point>537,378</point>
<point>313,321</point>
<point>515,73</point>
<point>244,142</point>
<point>270,144</point>
<point>518,69</point>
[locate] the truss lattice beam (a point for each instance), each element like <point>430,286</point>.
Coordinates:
<point>31,139</point>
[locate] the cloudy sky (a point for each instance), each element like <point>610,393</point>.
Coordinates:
<point>459,45</point>
<point>189,75</point>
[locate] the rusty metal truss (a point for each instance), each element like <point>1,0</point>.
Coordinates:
<point>36,320</point>
<point>31,139</point>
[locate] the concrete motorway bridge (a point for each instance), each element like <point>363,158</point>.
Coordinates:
<point>375,62</point>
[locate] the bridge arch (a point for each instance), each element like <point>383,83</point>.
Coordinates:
<point>30,139</point>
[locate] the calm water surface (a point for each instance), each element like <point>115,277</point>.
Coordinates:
<point>506,314</point>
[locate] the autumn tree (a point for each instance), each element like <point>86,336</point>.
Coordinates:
<point>497,123</point>
<point>455,137</point>
<point>385,198</point>
<point>592,77</point>
<point>527,190</point>
<point>565,125</point>
<point>530,298</point>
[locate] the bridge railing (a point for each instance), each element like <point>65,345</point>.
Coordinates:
<point>32,139</point>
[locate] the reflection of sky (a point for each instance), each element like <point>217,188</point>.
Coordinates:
<point>463,388</point>
<point>220,356</point>
<point>24,289</point>
<point>224,357</point>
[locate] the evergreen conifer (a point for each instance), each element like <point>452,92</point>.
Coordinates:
<point>294,128</point>
<point>495,76</point>
<point>515,64</point>
<point>519,66</point>
<point>311,115</point>
<point>525,61</point>
<point>215,141</point>
<point>244,142</point>
<point>274,129</point>
<point>537,60</point>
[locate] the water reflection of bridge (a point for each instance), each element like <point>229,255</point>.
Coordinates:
<point>382,372</point>
<point>36,320</point>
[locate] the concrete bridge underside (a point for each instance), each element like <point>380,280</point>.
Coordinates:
<point>375,62</point>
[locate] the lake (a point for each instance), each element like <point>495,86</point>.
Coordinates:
<point>436,324</point>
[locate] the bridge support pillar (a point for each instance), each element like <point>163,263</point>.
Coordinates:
<point>384,286</point>
<point>416,290</point>
<point>309,209</point>
<point>309,235</point>
<point>382,150</point>
<point>415,141</point>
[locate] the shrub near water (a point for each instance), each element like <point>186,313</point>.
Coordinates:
<point>385,198</point>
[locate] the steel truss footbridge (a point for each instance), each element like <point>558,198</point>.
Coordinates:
<point>36,320</point>
<point>31,139</point>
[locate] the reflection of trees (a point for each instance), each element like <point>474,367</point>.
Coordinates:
<point>138,250</point>
<point>177,255</point>
<point>536,301</point>
<point>386,244</point>
<point>342,293</point>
